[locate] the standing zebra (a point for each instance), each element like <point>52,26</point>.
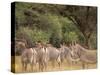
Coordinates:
<point>28,57</point>
<point>86,56</point>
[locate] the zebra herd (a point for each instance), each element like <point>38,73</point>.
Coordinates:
<point>41,56</point>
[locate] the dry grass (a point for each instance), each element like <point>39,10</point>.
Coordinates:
<point>64,66</point>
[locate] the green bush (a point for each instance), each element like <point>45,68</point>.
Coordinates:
<point>32,36</point>
<point>70,37</point>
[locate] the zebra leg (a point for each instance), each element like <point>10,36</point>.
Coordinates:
<point>25,66</point>
<point>39,66</point>
<point>36,65</point>
<point>45,66</point>
<point>83,65</point>
<point>31,66</point>
<point>59,63</point>
<point>87,65</point>
<point>42,67</point>
<point>22,66</point>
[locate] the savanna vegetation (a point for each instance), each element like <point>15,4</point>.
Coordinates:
<point>55,24</point>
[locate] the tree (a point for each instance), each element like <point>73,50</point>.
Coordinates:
<point>85,18</point>
<point>51,18</point>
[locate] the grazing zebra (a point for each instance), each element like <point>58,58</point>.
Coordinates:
<point>86,56</point>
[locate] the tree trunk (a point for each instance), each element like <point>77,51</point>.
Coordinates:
<point>87,43</point>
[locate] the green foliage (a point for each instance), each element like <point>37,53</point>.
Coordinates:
<point>55,40</point>
<point>39,35</point>
<point>51,23</point>
<point>70,37</point>
<point>34,35</point>
<point>93,42</point>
